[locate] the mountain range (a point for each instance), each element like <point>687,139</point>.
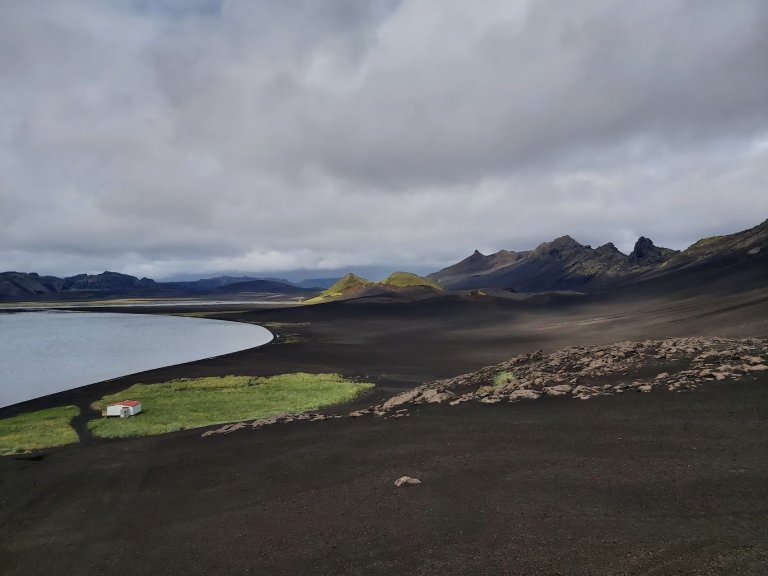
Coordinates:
<point>22,286</point>
<point>565,264</point>
<point>560,265</point>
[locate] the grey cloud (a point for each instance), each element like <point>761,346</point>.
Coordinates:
<point>169,137</point>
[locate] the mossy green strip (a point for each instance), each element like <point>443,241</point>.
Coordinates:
<point>35,430</point>
<point>182,404</point>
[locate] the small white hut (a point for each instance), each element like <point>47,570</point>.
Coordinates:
<point>124,409</point>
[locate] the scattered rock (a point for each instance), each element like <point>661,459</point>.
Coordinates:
<point>524,395</point>
<point>400,399</point>
<point>558,390</point>
<point>406,481</point>
<point>579,371</point>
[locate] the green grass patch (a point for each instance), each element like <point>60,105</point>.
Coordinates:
<point>503,378</point>
<point>35,430</point>
<point>182,404</point>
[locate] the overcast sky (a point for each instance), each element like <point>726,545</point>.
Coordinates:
<point>198,136</point>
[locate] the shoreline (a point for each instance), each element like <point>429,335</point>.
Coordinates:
<point>399,345</point>
<point>75,395</point>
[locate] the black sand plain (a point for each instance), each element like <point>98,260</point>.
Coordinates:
<point>661,483</point>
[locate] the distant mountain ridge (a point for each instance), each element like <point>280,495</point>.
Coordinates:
<point>21,285</point>
<point>565,264</point>
<point>560,265</point>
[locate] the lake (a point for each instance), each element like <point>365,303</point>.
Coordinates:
<point>46,352</point>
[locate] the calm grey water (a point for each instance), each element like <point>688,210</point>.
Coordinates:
<point>46,352</point>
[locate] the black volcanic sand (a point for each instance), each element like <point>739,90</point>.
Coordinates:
<point>661,483</point>
<point>657,483</point>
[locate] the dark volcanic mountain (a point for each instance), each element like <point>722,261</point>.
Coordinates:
<point>564,264</point>
<point>25,286</point>
<point>111,282</point>
<point>645,253</point>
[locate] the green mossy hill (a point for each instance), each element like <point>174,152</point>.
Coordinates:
<point>345,283</point>
<point>404,279</point>
<point>352,285</point>
<point>340,287</point>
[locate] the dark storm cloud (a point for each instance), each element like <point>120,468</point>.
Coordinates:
<point>166,137</point>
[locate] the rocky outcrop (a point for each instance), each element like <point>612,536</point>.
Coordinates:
<point>583,372</point>
<point>579,372</point>
<point>647,254</point>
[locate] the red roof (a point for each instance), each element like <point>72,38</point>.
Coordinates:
<point>127,403</point>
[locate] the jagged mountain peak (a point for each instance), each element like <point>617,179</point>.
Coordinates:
<point>608,248</point>
<point>564,242</point>
<point>646,252</point>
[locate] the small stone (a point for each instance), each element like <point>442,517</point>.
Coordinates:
<point>645,388</point>
<point>662,376</point>
<point>440,397</point>
<point>584,391</point>
<point>406,481</point>
<point>558,390</point>
<point>524,394</point>
<point>484,391</point>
